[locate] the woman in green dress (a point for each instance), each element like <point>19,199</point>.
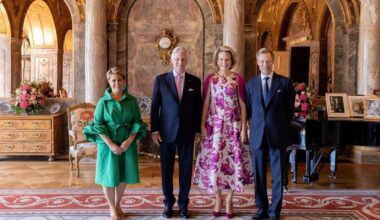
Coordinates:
<point>116,127</point>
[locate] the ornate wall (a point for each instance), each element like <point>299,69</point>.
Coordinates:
<point>145,22</point>
<point>140,23</point>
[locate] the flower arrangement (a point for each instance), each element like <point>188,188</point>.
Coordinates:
<point>304,103</point>
<point>46,88</point>
<point>29,98</point>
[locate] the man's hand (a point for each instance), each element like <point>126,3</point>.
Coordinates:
<point>197,138</point>
<point>156,137</point>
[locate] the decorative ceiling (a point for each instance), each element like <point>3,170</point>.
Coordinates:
<point>39,25</point>
<point>4,21</point>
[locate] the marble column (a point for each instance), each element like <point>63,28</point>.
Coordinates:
<point>233,30</point>
<point>95,50</point>
<point>78,90</point>
<point>112,44</point>
<point>16,63</point>
<point>369,47</point>
<point>59,70</point>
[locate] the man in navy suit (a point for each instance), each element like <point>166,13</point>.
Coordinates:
<point>270,103</point>
<point>175,124</point>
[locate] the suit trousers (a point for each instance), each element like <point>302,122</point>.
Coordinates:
<point>277,158</point>
<point>185,162</point>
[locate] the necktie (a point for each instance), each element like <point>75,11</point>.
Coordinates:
<point>178,83</point>
<point>266,89</point>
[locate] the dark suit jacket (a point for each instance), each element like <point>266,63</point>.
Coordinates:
<point>169,115</point>
<point>273,118</point>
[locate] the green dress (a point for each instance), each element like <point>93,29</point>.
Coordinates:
<point>116,120</point>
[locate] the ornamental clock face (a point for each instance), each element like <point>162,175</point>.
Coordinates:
<point>165,42</point>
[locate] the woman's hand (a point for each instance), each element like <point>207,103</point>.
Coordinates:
<point>115,149</point>
<point>125,145</point>
<point>203,131</point>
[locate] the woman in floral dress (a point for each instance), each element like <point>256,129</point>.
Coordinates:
<point>223,162</point>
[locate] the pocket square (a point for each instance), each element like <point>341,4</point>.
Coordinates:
<point>280,90</point>
<point>190,90</point>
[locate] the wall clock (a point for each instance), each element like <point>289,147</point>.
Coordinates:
<point>165,43</point>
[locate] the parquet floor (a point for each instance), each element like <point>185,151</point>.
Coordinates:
<point>38,173</point>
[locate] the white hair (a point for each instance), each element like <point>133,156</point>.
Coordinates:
<point>177,50</point>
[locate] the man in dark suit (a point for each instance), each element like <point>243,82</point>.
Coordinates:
<point>270,103</point>
<point>175,124</point>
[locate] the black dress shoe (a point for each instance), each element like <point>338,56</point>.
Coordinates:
<point>184,214</point>
<point>168,212</point>
<point>260,217</point>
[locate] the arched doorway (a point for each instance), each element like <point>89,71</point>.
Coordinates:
<point>5,54</point>
<point>284,28</point>
<point>67,66</point>
<point>326,58</point>
<point>39,28</point>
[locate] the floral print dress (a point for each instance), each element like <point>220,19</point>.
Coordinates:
<point>223,162</point>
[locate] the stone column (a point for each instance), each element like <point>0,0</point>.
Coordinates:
<point>112,44</point>
<point>95,50</point>
<point>59,70</point>
<point>369,47</point>
<point>233,30</point>
<point>15,63</point>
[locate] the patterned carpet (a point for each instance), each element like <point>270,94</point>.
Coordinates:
<point>90,204</point>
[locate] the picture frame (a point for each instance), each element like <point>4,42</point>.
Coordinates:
<point>376,92</point>
<point>372,108</point>
<point>337,105</point>
<point>356,106</point>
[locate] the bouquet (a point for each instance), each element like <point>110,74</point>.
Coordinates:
<point>46,88</point>
<point>303,103</point>
<point>28,98</point>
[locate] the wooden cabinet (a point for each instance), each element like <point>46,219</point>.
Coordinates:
<point>31,134</point>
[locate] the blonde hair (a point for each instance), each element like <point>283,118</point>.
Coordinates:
<point>223,49</point>
<point>114,70</point>
<point>265,51</point>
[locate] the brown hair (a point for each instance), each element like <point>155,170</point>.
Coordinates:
<point>223,49</point>
<point>265,51</point>
<point>114,70</point>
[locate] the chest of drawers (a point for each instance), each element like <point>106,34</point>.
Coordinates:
<point>31,134</point>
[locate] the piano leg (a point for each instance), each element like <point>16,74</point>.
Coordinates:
<point>311,173</point>
<point>293,165</point>
<point>332,162</point>
<point>306,177</point>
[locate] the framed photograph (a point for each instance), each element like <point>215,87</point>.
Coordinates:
<point>356,106</point>
<point>376,92</point>
<point>372,108</point>
<point>337,105</point>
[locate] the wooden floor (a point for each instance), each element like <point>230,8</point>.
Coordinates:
<point>38,173</point>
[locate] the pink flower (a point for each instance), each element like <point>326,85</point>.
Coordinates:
<point>25,87</point>
<point>304,107</point>
<point>24,104</point>
<point>301,87</point>
<point>25,97</point>
<point>303,97</point>
<point>42,102</point>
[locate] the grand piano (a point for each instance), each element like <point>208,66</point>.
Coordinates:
<point>317,137</point>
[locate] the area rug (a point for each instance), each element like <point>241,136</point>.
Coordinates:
<point>90,204</point>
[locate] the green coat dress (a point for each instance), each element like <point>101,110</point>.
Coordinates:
<point>116,120</point>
